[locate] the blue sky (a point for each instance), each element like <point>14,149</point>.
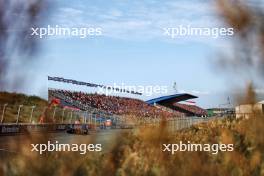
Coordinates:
<point>133,49</point>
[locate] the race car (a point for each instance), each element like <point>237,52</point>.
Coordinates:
<point>81,129</point>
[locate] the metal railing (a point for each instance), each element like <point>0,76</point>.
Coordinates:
<point>30,115</point>
<point>22,114</point>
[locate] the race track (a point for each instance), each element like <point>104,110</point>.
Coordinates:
<point>11,145</point>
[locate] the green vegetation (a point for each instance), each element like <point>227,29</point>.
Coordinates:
<point>13,100</point>
<point>18,99</point>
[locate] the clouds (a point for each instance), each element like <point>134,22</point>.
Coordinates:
<point>137,20</point>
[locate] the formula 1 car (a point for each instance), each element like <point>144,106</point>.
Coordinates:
<point>78,129</point>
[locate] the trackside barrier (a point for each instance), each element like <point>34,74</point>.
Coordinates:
<point>22,119</point>
<point>172,124</point>
<point>21,114</point>
<point>12,129</point>
<point>9,129</point>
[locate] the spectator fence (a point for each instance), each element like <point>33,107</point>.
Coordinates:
<point>21,114</point>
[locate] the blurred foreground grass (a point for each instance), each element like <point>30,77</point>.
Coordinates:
<point>139,152</point>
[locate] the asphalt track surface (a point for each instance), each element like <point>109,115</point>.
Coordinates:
<point>10,145</point>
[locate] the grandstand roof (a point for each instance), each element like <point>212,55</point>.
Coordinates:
<point>171,99</point>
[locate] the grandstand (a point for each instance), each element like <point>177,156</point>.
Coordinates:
<point>172,102</point>
<point>108,104</point>
<point>166,106</point>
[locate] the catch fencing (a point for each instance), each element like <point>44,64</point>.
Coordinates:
<point>19,118</point>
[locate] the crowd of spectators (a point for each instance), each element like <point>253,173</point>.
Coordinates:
<point>117,105</point>
<point>191,109</point>
<point>123,105</point>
